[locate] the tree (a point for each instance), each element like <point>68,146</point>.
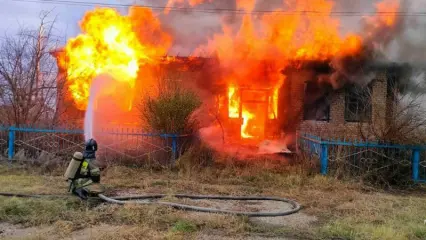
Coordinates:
<point>401,119</point>
<point>28,75</point>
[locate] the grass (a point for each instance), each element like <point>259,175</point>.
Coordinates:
<point>184,227</point>
<point>379,216</point>
<point>345,210</point>
<point>32,212</point>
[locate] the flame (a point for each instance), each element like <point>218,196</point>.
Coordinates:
<point>255,58</point>
<point>234,111</point>
<point>387,12</point>
<point>251,120</point>
<point>247,118</point>
<point>352,44</point>
<point>233,102</point>
<point>255,53</point>
<point>109,44</point>
<point>251,54</point>
<point>273,102</point>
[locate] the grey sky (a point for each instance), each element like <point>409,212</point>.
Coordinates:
<point>190,29</point>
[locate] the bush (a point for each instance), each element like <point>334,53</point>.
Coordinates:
<point>170,110</point>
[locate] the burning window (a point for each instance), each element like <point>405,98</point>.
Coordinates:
<point>358,104</point>
<point>316,103</point>
<point>251,111</point>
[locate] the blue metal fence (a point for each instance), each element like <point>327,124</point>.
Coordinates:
<point>360,155</point>
<point>25,143</point>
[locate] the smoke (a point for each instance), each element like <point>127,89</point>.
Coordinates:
<point>193,27</point>
<point>409,46</point>
<point>377,33</point>
<point>213,136</point>
<point>383,35</point>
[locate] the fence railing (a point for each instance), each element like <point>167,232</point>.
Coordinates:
<point>360,155</point>
<point>22,143</point>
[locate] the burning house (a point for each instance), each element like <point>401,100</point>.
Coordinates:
<point>301,102</point>
<point>267,76</point>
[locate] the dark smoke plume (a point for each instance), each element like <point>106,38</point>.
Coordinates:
<point>377,34</point>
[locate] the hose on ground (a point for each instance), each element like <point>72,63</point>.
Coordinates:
<point>295,207</point>
<point>21,195</point>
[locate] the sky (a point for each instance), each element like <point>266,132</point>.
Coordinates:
<point>16,14</point>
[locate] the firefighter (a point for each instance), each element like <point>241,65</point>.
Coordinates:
<point>83,173</point>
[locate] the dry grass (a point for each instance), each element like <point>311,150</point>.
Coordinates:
<point>345,210</point>
<point>379,216</point>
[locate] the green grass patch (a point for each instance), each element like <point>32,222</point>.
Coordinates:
<point>379,216</point>
<point>184,227</point>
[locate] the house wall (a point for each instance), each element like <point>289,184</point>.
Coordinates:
<point>291,100</point>
<point>290,107</point>
<point>337,127</point>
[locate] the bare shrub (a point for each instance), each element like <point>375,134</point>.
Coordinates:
<point>401,120</point>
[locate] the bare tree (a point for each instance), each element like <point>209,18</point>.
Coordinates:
<point>28,76</point>
<point>400,119</point>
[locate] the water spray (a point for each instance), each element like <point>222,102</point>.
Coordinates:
<point>88,116</point>
<point>97,87</point>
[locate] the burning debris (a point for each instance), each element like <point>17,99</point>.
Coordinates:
<point>254,70</point>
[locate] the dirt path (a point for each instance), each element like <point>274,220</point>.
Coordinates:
<point>8,231</point>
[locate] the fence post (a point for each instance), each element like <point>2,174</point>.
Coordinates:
<point>11,143</point>
<point>415,164</point>
<point>174,148</point>
<point>324,158</point>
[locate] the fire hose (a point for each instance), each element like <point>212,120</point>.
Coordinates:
<point>295,207</point>
<point>142,199</point>
<point>79,162</point>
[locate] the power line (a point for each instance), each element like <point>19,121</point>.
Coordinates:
<point>222,10</point>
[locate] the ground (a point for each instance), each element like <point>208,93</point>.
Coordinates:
<point>332,209</point>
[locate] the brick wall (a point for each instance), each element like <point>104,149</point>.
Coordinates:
<point>291,99</point>
<point>337,127</point>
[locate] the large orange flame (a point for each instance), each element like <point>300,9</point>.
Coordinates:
<point>250,57</point>
<point>110,43</point>
<point>284,37</point>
